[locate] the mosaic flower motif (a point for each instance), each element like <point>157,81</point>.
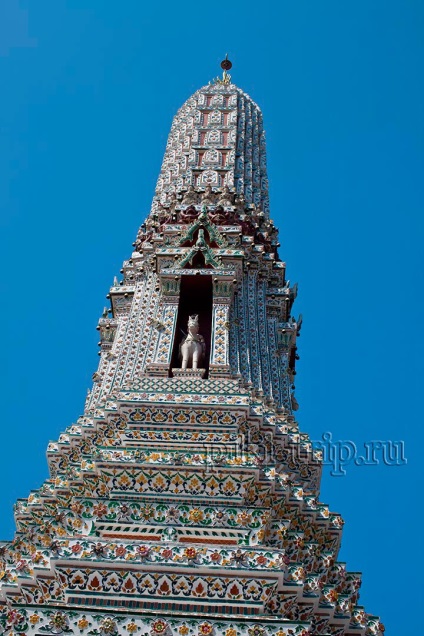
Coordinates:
<point>58,623</point>
<point>219,517</point>
<point>338,522</point>
<point>147,512</point>
<point>193,485</point>
<point>14,617</point>
<point>132,627</point>
<point>332,596</point>
<point>98,549</point>
<point>205,629</point>
<point>143,551</point>
<point>34,619</point>
<point>230,632</point>
<point>83,623</point>
<point>159,626</point>
<point>298,574</point>
<point>219,459</point>
<point>196,515</point>
<point>124,511</point>
<point>22,565</point>
<point>256,631</point>
<point>120,551</point>
<point>215,557</point>
<point>167,553</point>
<point>100,510</point>
<point>272,607</point>
<point>183,630</point>
<point>102,490</point>
<point>190,554</point>
<point>244,518</point>
<point>178,458</point>
<point>172,514</point>
<point>159,484</point>
<point>311,584</point>
<point>358,617</point>
<point>76,548</point>
<point>4,574</point>
<point>229,488</point>
<point>108,626</point>
<point>238,557</point>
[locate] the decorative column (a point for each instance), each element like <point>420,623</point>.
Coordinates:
<point>219,361</point>
<point>170,287</point>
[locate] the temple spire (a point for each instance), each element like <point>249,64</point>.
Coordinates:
<point>185,500</point>
<point>216,140</point>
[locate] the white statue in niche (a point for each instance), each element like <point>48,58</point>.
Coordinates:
<point>193,347</point>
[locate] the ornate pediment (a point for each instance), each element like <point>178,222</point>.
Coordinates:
<point>203,222</point>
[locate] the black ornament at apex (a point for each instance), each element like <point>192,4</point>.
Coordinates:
<point>226,64</point>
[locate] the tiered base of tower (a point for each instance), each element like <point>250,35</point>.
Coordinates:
<point>185,507</point>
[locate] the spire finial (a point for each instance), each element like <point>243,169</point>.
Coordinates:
<point>226,65</point>
<point>226,77</point>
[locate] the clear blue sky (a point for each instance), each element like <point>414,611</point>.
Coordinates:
<point>89,89</point>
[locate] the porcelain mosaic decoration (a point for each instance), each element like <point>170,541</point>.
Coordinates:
<point>185,500</point>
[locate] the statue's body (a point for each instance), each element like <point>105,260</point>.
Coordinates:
<point>193,346</point>
<point>190,197</point>
<point>226,197</point>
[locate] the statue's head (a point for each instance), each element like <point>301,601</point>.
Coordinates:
<point>193,320</point>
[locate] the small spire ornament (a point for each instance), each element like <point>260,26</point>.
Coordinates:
<point>226,77</point>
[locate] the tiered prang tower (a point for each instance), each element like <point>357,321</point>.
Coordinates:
<point>184,501</point>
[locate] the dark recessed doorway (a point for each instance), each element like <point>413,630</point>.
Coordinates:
<point>195,298</point>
